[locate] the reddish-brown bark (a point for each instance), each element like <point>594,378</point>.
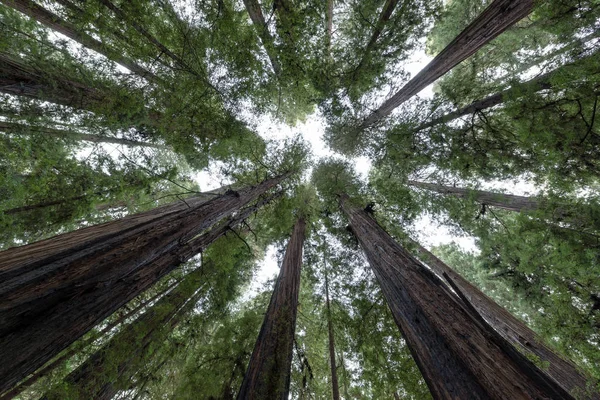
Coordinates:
<point>458,354</point>
<point>495,19</point>
<point>109,369</point>
<point>563,372</point>
<point>504,201</point>
<point>54,291</point>
<point>268,373</point>
<point>53,21</point>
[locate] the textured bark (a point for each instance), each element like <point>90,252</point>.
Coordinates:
<point>384,17</point>
<point>536,84</point>
<point>508,202</point>
<point>19,128</point>
<point>109,370</point>
<point>335,388</point>
<point>459,355</point>
<point>53,21</point>
<point>494,20</point>
<point>55,290</point>
<point>268,373</point>
<point>258,20</point>
<point>563,372</point>
<point>79,347</point>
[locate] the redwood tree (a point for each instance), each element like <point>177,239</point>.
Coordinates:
<point>55,290</point>
<point>499,16</point>
<point>268,373</point>
<point>563,372</point>
<point>459,355</point>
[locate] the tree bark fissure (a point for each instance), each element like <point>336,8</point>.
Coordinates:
<point>268,373</point>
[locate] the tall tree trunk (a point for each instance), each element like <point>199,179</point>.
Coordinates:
<point>268,373</point>
<point>55,290</point>
<point>19,78</point>
<point>334,378</point>
<point>76,348</point>
<point>459,355</point>
<point>508,202</point>
<point>384,17</point>
<point>258,20</point>
<point>494,20</point>
<point>563,372</point>
<point>109,369</point>
<point>19,128</point>
<point>53,21</point>
<point>536,84</point>
<point>329,18</point>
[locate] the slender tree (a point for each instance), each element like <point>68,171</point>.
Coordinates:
<point>495,19</point>
<point>54,291</point>
<point>459,355</point>
<point>563,372</point>
<point>262,29</point>
<point>504,201</point>
<point>541,82</point>
<point>268,373</point>
<point>334,378</point>
<point>53,21</point>
<point>18,128</point>
<point>384,17</point>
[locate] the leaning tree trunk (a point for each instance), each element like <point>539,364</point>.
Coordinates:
<point>55,290</point>
<point>499,16</point>
<point>384,17</point>
<point>110,369</point>
<point>258,20</point>
<point>335,388</point>
<point>563,372</point>
<point>79,346</point>
<point>19,128</point>
<point>268,373</point>
<point>53,21</point>
<point>536,84</point>
<point>508,202</point>
<point>459,355</point>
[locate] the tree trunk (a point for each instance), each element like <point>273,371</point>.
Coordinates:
<point>76,348</point>
<point>537,84</point>
<point>334,378</point>
<point>19,128</point>
<point>20,79</point>
<point>55,290</point>
<point>53,21</point>
<point>458,354</point>
<point>563,372</point>
<point>268,373</point>
<point>258,20</point>
<point>495,19</point>
<point>508,202</point>
<point>329,18</point>
<point>109,369</point>
<point>384,17</point>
